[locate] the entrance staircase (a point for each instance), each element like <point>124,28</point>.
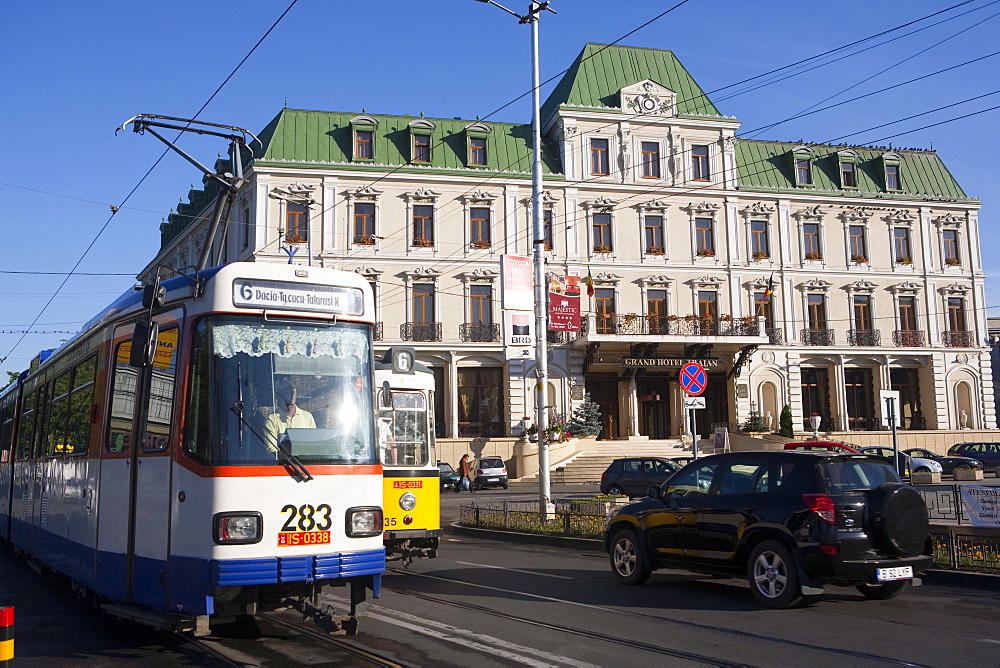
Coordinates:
<point>587,467</point>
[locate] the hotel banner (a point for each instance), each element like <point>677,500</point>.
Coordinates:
<point>564,303</point>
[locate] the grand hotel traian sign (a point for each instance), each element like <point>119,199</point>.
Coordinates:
<point>669,362</point>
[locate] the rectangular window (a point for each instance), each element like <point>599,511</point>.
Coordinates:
<point>956,314</point>
<point>481,407</point>
<point>862,312</point>
<point>816,305</point>
<point>123,398</point>
<point>704,237</point>
<point>547,228</point>
<point>423,303</point>
<point>653,229</point>
<point>55,442</point>
<point>599,165</point>
<point>604,307</point>
<point>364,223</point>
<point>699,164</point>
<point>296,223</point>
<point>908,313</point>
<point>421,148</point>
<point>859,249</point>
<point>480,305</point>
<point>477,151</point>
<point>950,241</point>
<point>423,225</point>
<point>848,177</point>
<point>650,160</point>
<point>364,149</point>
<point>26,430</point>
<point>803,172</point>
<point>810,241</point>
<point>601,223</point>
<point>762,307</point>
<point>901,244</point>
<point>708,304</point>
<point>161,396</point>
<point>760,246</point>
<point>479,225</point>
<point>656,311</point>
<point>892,177</point>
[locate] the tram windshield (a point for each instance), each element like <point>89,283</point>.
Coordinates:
<point>403,430</point>
<point>262,392</point>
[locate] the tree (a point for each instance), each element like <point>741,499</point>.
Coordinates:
<point>755,422</point>
<point>11,377</point>
<point>586,420</point>
<point>785,422</point>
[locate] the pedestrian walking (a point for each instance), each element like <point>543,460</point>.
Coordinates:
<point>464,472</point>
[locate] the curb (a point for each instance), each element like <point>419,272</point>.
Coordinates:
<point>935,576</point>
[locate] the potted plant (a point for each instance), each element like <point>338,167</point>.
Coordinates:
<point>904,260</point>
<point>601,248</point>
<point>785,422</point>
<point>813,256</point>
<point>952,261</point>
<point>365,241</point>
<point>761,255</point>
<point>705,252</point>
<point>481,244</point>
<point>859,259</point>
<point>423,243</point>
<point>295,239</point>
<point>654,250</point>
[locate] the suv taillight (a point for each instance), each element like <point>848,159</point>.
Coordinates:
<point>822,505</point>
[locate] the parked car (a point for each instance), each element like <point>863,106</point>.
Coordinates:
<point>449,476</point>
<point>632,476</point>
<point>490,472</point>
<point>828,446</point>
<point>948,464</point>
<point>987,453</point>
<point>682,461</point>
<point>913,464</point>
<point>789,521</point>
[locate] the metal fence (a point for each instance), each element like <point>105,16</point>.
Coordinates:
<point>569,519</point>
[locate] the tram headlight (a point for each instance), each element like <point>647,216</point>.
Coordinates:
<point>363,522</point>
<point>239,528</point>
<point>408,501</point>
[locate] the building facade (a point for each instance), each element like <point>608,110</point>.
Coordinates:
<point>808,275</point>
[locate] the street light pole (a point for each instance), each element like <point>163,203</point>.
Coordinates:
<point>538,242</point>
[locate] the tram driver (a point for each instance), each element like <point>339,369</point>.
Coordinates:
<point>286,414</point>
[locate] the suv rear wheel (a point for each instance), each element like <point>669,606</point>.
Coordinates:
<point>884,591</point>
<point>628,559</point>
<point>773,577</point>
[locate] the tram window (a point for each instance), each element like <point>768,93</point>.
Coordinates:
<point>6,431</point>
<point>41,419</point>
<point>122,401</point>
<point>81,399</point>
<point>55,441</point>
<point>27,427</point>
<point>161,392</point>
<point>404,434</point>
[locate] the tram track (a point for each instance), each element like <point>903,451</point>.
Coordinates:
<point>657,649</point>
<point>333,642</point>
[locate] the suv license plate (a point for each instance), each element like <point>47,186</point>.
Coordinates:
<point>897,573</point>
<point>493,480</point>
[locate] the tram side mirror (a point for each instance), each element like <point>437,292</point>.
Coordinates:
<point>153,296</point>
<point>386,395</point>
<point>144,340</point>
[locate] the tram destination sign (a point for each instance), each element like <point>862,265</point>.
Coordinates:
<point>669,362</point>
<point>284,296</point>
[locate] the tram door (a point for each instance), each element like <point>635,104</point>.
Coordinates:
<point>135,474</point>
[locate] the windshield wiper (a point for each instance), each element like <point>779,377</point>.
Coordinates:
<point>293,462</point>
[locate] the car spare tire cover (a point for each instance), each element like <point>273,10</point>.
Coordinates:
<point>899,519</point>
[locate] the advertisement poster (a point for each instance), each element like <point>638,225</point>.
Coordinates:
<point>982,505</point>
<point>518,334</point>
<point>564,303</point>
<point>516,281</point>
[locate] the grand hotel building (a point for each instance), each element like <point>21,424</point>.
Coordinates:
<point>872,254</point>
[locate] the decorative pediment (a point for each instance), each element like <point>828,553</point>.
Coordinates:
<point>760,284</point>
<point>422,274</point>
<point>857,214</point>
<point>422,195</point>
<point>421,125</point>
<point>371,273</point>
<point>364,120</point>
<point>862,286</point>
<point>696,208</point>
<point>478,196</point>
<point>479,276</point>
<point>816,285</point>
<point>364,194</point>
<point>648,98</point>
<point>706,282</point>
<point>606,278</point>
<point>548,199</point>
<point>654,205</point>
<point>902,217</point>
<point>662,280</point>
<point>601,203</point>
<point>810,213</point>
<point>949,219</point>
<point>907,288</point>
<point>955,289</point>
<point>294,192</point>
<point>759,209</point>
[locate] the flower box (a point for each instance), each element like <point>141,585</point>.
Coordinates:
<point>654,250</point>
<point>602,249</point>
<point>953,262</point>
<point>761,255</point>
<point>859,259</point>
<point>480,244</point>
<point>364,241</point>
<point>295,239</point>
<point>423,243</point>
<point>904,260</point>
<point>705,252</point>
<point>813,256</point>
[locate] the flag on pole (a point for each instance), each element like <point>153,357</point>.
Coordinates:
<point>589,280</point>
<point>770,288</point>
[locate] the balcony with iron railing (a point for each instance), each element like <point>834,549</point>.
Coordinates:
<point>818,337</point>
<point>632,324</point>
<point>478,332</point>
<point>775,335</point>
<point>953,339</point>
<point>420,331</point>
<point>863,337</point>
<point>908,338</point>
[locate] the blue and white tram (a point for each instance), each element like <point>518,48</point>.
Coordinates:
<point>205,448</point>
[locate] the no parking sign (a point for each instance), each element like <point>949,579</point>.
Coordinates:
<point>694,378</point>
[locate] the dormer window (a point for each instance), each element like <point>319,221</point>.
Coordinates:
<point>802,157</point>
<point>420,132</point>
<point>848,168</point>
<point>892,171</point>
<point>364,128</point>
<point>477,134</point>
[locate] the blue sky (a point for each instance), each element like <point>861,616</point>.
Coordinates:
<point>74,71</point>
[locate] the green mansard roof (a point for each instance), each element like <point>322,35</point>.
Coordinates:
<point>600,71</point>
<point>325,139</point>
<point>769,166</point>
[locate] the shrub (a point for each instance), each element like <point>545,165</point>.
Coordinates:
<point>785,422</point>
<point>586,419</point>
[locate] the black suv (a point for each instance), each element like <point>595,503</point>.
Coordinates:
<point>790,521</point>
<point>633,475</point>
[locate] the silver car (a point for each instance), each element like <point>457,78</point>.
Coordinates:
<point>490,472</point>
